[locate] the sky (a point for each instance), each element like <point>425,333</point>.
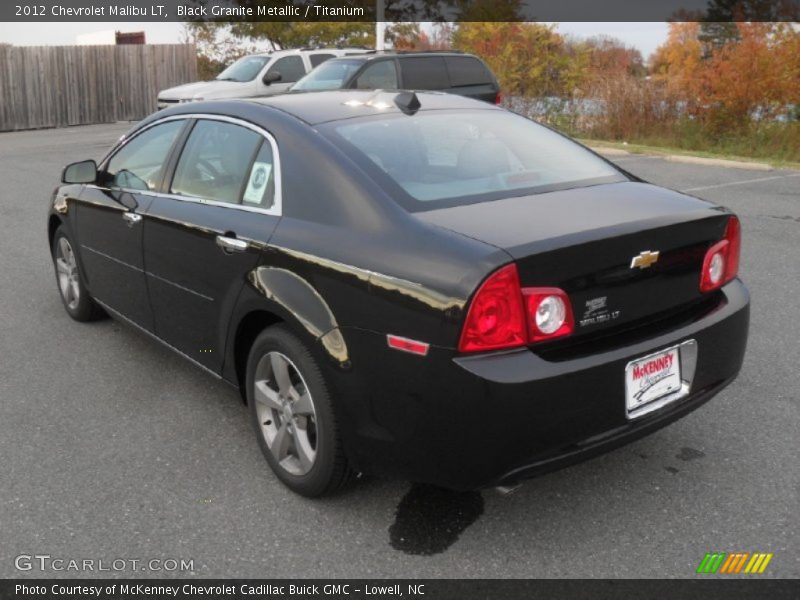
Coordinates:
<point>644,36</point>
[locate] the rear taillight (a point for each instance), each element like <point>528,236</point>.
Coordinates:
<point>498,98</point>
<point>495,318</point>
<point>503,314</point>
<point>721,263</point>
<point>549,313</point>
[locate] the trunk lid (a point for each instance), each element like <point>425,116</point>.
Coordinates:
<point>584,241</point>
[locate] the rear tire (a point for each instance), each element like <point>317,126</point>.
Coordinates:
<point>74,295</point>
<point>292,414</point>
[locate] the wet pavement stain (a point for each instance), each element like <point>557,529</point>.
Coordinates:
<point>672,470</point>
<point>689,454</point>
<point>430,519</point>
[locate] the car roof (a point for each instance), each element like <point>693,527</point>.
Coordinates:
<point>334,105</point>
<point>290,51</point>
<point>373,54</point>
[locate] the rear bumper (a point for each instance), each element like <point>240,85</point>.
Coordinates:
<point>467,422</point>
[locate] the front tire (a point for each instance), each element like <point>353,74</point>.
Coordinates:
<point>74,295</point>
<point>292,414</point>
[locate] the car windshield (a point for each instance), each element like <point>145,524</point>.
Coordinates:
<point>244,69</point>
<point>459,157</point>
<point>330,75</point>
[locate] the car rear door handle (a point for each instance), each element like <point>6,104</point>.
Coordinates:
<point>229,244</point>
<point>132,218</point>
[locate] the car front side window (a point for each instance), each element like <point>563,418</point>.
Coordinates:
<point>139,164</point>
<point>216,162</point>
<point>291,69</point>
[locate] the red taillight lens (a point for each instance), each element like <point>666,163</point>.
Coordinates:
<point>498,98</point>
<point>495,318</point>
<point>505,315</point>
<point>549,313</point>
<point>721,263</point>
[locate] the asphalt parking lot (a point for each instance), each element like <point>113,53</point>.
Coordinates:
<point>112,447</point>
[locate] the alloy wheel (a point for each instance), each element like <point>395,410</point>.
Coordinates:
<point>286,413</point>
<point>67,269</point>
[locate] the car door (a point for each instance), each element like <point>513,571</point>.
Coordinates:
<point>207,231</point>
<point>291,68</point>
<point>109,220</point>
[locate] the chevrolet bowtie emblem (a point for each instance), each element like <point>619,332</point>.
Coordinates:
<point>644,259</point>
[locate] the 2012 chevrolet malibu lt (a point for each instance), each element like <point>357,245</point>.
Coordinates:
<point>406,284</point>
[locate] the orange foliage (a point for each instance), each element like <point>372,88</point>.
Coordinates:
<point>754,76</point>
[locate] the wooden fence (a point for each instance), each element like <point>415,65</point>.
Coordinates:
<point>55,86</point>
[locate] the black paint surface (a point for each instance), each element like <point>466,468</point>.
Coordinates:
<point>430,519</point>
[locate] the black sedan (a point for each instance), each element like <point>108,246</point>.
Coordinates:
<point>412,285</point>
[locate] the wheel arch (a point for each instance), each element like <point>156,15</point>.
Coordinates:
<point>276,296</point>
<point>53,223</point>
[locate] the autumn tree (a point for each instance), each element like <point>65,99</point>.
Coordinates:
<point>302,34</point>
<point>609,56</point>
<point>754,74</point>
<point>216,46</point>
<point>410,36</point>
<point>678,63</point>
<point>719,25</point>
<point>529,59</point>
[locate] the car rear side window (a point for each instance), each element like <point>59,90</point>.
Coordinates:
<point>216,162</point>
<point>259,190</point>
<point>460,157</point>
<point>318,59</point>
<point>139,163</point>
<point>291,68</point>
<point>467,70</point>
<point>424,73</point>
<point>381,75</point>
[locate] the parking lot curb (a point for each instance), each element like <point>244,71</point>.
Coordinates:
<point>682,158</point>
<point>719,162</point>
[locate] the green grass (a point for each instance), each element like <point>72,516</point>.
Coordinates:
<point>674,150</point>
<point>777,144</point>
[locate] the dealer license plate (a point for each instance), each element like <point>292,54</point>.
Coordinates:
<point>652,377</point>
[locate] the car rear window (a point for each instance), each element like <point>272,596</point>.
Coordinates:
<point>318,59</point>
<point>467,70</point>
<point>424,73</point>
<point>449,158</point>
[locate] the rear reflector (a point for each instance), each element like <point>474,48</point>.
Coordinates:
<point>505,315</point>
<point>407,345</point>
<point>733,233</point>
<point>498,99</point>
<point>721,263</point>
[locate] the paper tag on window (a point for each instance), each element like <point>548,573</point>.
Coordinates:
<point>259,176</point>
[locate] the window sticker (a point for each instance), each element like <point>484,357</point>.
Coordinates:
<point>259,176</point>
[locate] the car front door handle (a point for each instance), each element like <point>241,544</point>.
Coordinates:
<point>132,218</point>
<point>229,244</point>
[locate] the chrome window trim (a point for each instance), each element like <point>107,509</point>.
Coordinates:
<point>275,210</point>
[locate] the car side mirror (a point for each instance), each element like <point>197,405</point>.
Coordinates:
<point>271,77</point>
<point>80,172</point>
